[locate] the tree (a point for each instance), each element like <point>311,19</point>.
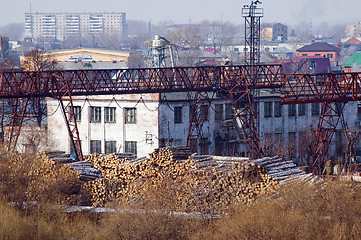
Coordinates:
<point>38,60</point>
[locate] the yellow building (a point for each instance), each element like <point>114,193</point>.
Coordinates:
<point>90,54</point>
<point>80,58</point>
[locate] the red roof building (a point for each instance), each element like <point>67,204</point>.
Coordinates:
<point>319,49</point>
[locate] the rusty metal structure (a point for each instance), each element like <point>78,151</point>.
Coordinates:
<point>234,82</point>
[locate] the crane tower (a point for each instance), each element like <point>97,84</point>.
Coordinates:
<point>252,15</point>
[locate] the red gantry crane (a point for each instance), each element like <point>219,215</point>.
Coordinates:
<point>234,81</point>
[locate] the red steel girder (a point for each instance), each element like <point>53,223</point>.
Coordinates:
<point>19,109</point>
<point>70,120</point>
<point>328,121</point>
<point>242,105</point>
<point>196,119</point>
<point>330,87</point>
<point>130,81</point>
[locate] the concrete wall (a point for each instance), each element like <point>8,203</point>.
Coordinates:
<point>144,131</point>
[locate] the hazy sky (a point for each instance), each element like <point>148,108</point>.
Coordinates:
<point>182,11</point>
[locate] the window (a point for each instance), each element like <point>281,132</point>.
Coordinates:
<point>77,113</point>
<point>95,114</point>
<point>229,111</point>
<point>278,138</point>
<point>292,144</point>
<point>204,146</point>
<point>236,49</point>
<point>313,64</point>
<point>130,115</point>
<point>178,115</point>
<point>292,110</point>
<point>359,110</point>
<point>315,109</point>
<point>268,109</point>
<point>95,146</point>
<point>110,147</point>
<point>204,112</point>
<point>278,109</point>
<point>317,54</point>
<point>131,147</point>
<point>72,150</point>
<point>330,55</point>
<point>219,112</point>
<point>301,109</point>
<point>110,114</point>
<point>304,55</point>
<point>192,114</point>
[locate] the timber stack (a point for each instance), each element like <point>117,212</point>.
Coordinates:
<point>182,181</point>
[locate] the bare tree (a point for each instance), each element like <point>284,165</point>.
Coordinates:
<point>38,60</point>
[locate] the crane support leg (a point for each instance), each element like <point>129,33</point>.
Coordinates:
<point>328,121</point>
<point>19,107</point>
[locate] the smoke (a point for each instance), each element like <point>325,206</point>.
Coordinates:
<point>15,31</point>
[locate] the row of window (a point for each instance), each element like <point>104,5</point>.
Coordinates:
<point>111,147</point>
<point>202,114</point>
<point>328,55</point>
<point>130,114</point>
<point>269,108</point>
<point>300,109</point>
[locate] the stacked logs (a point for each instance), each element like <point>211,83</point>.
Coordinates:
<point>171,175</point>
<point>37,178</point>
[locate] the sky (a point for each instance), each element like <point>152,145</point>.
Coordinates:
<point>288,12</point>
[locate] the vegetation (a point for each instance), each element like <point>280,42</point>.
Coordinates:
<point>33,189</point>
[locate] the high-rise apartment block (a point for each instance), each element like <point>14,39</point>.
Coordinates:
<point>353,30</point>
<point>63,26</point>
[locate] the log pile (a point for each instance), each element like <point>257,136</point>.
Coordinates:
<point>182,182</point>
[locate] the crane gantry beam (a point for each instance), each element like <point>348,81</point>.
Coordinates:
<point>131,81</point>
<point>232,81</point>
<point>328,87</point>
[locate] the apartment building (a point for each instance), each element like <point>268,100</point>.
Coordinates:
<point>353,30</point>
<point>63,26</point>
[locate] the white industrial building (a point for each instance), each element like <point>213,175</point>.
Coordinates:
<point>138,123</point>
<point>62,26</point>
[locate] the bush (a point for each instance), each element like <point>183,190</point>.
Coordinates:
<point>330,211</point>
<point>36,178</point>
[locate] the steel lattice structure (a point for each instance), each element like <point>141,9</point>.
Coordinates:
<point>233,81</point>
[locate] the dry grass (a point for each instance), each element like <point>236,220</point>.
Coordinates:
<point>332,211</point>
<point>328,211</point>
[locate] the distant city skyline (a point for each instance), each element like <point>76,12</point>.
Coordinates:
<point>185,11</point>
